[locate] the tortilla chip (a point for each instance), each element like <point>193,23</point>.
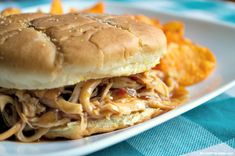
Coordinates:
<point>10,11</point>
<point>56,7</point>
<point>188,63</point>
<point>174,31</point>
<point>97,8</point>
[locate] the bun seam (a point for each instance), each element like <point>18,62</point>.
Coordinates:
<point>59,59</point>
<point>116,27</point>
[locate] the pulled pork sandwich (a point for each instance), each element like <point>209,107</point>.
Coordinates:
<point>74,75</point>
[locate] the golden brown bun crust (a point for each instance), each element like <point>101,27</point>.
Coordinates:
<point>39,51</point>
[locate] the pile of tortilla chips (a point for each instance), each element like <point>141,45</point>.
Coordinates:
<point>188,63</point>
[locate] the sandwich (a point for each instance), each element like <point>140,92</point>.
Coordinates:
<point>77,74</point>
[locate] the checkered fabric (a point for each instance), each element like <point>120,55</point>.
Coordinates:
<point>206,130</point>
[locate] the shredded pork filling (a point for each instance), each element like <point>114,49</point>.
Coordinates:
<point>29,115</point>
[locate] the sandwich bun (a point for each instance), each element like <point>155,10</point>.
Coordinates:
<point>42,51</point>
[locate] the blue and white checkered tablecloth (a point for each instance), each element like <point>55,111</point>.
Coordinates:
<point>206,130</point>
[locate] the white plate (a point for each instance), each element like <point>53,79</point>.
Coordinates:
<point>220,38</point>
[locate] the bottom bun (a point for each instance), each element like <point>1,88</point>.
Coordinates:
<point>75,130</point>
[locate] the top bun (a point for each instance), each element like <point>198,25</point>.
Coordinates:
<point>41,51</point>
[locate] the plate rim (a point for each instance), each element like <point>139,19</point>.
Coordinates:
<point>139,128</point>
